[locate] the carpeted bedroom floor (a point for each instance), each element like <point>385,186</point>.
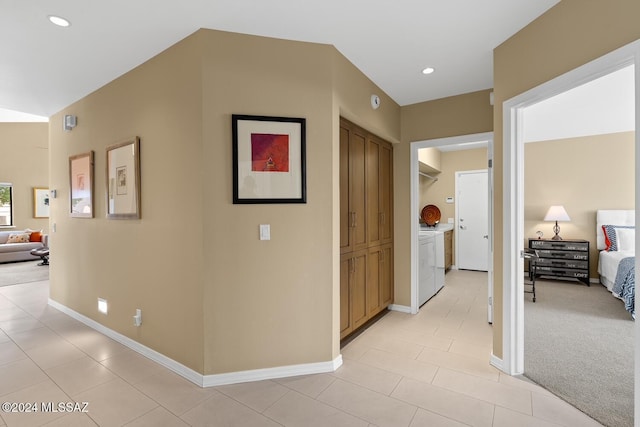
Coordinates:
<point>579,344</point>
<point>13,273</point>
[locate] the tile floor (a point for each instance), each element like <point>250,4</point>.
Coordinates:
<point>431,369</point>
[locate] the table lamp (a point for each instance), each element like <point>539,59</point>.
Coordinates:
<point>557,213</point>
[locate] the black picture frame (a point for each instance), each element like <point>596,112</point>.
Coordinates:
<point>269,159</point>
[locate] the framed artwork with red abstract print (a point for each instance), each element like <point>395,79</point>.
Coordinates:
<point>269,164</point>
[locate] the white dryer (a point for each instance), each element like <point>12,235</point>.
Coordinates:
<point>430,264</point>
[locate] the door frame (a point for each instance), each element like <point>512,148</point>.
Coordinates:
<point>415,199</point>
<point>513,196</point>
<point>457,214</point>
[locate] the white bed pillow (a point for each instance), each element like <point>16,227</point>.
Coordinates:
<point>626,238</point>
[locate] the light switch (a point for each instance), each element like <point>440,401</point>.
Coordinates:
<point>265,232</point>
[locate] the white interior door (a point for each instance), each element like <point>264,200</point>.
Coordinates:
<point>472,220</point>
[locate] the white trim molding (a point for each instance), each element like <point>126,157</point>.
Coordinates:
<point>400,308</point>
<point>271,373</point>
<point>496,362</point>
<point>196,377</point>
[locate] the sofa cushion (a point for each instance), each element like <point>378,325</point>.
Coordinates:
<point>36,235</point>
<point>19,247</point>
<point>4,235</point>
<point>19,238</point>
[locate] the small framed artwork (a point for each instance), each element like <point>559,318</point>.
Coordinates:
<point>269,164</point>
<point>123,180</point>
<point>81,185</point>
<point>41,203</point>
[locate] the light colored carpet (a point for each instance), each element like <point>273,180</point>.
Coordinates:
<point>579,345</point>
<point>14,273</point>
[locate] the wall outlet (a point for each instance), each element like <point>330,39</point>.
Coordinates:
<point>450,220</point>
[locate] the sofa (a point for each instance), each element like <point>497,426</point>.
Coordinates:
<point>28,240</point>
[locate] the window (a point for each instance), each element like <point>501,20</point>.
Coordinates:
<point>6,204</point>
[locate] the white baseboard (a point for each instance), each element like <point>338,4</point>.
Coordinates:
<point>400,308</point>
<point>497,363</point>
<point>193,376</point>
<point>271,373</point>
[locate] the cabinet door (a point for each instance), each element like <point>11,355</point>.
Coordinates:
<point>386,276</point>
<point>357,191</point>
<point>379,192</point>
<point>374,281</point>
<point>358,285</point>
<point>448,249</point>
<point>379,279</point>
<point>345,213</point>
<point>353,215</point>
<point>386,192</point>
<point>373,192</point>
<point>345,296</point>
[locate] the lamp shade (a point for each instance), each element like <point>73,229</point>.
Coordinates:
<point>557,213</point>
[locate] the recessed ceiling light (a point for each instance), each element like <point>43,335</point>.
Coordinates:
<point>60,22</point>
<point>428,70</point>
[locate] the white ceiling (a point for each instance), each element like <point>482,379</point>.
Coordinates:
<point>44,68</point>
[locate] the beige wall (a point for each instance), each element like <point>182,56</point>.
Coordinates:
<point>567,36</point>
<point>214,297</point>
<point>583,175</point>
<point>458,115</point>
<point>154,263</point>
<point>24,162</point>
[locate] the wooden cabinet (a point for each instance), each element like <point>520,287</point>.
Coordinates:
<point>562,258</point>
<point>448,249</point>
<point>366,226</point>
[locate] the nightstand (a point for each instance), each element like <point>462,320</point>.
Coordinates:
<point>562,258</point>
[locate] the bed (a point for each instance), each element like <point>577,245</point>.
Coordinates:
<point>615,239</point>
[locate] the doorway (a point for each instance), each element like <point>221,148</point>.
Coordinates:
<point>513,209</point>
<point>467,141</point>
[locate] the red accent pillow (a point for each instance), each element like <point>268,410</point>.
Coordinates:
<point>36,236</point>
<point>607,242</point>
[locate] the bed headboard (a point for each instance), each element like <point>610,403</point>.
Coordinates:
<point>612,217</point>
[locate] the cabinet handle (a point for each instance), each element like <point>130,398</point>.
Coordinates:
<point>382,218</point>
<point>352,264</point>
<point>355,219</point>
<point>381,256</point>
